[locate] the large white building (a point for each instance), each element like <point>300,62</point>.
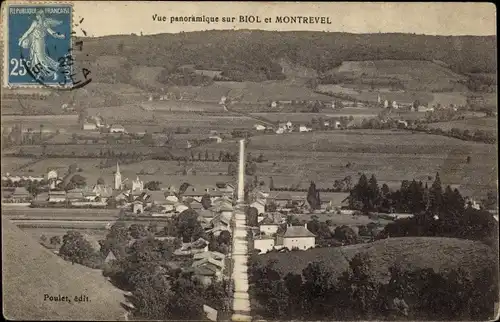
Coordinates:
<point>298,237</point>
<point>264,244</point>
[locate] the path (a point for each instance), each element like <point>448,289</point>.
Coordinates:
<point>241,300</point>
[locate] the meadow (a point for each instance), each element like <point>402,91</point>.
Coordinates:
<point>297,158</point>
<point>413,252</point>
<point>307,117</point>
<point>360,93</point>
<point>487,124</point>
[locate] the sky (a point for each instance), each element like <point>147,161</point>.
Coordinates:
<point>102,18</point>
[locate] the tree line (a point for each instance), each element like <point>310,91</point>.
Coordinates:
<point>409,294</point>
<point>437,211</point>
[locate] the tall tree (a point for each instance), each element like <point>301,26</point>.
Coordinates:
<point>373,193</point>
<point>358,196</point>
<point>313,196</point>
<point>436,195</point>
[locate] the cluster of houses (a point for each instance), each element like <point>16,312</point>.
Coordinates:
<point>288,127</point>
<point>266,236</point>
<point>97,123</point>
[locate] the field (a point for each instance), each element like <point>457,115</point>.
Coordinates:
<point>487,124</point>
<point>298,158</point>
<point>135,118</point>
<point>51,123</point>
<point>359,92</point>
<point>10,164</point>
<point>416,75</point>
<point>446,99</point>
<point>413,252</point>
<point>30,271</point>
<point>307,117</point>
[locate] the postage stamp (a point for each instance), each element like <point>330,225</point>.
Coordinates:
<point>39,40</point>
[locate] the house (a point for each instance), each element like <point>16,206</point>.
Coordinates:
<point>197,192</point>
<point>89,126</point>
<point>280,130</point>
<point>334,199</point>
<point>171,189</point>
<point>227,189</point>
<point>208,268</point>
<point>195,205</point>
<point>298,237</point>
<point>138,207</point>
<point>57,196</point>
<point>284,198</point>
<point>157,197</point>
<point>198,246</point>
<point>303,128</point>
<point>116,128</point>
<point>110,257</point>
<point>215,138</point>
<point>75,195</point>
<point>206,214</point>
<point>102,190</point>
<point>422,108</point>
<point>171,198</point>
<point>43,196</point>
<point>264,244</point>
<point>209,254</point>
<point>20,195</point>
<point>260,205</point>
<point>179,208</point>
<point>268,226</point>
<point>403,123</point>
<point>219,224</point>
<point>259,127</point>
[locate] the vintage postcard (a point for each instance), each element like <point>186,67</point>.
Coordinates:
<point>249,161</point>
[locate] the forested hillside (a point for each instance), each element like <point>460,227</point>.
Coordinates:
<point>253,55</point>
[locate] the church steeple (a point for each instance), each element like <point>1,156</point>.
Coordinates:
<point>118,177</point>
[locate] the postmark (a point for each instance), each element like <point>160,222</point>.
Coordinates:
<point>39,49</point>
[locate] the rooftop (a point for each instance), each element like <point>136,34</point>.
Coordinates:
<point>297,231</point>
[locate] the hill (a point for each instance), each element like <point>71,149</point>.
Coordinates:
<point>415,252</point>
<point>30,271</point>
<point>255,55</point>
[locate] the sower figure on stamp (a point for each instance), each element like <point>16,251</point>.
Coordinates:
<point>34,40</point>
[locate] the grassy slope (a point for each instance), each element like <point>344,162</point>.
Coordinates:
<point>417,252</point>
<point>29,271</point>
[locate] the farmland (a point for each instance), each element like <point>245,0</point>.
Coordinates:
<point>415,252</point>
<point>358,93</point>
<point>415,75</point>
<point>50,122</point>
<point>392,156</point>
<point>487,124</point>
<point>297,158</point>
<point>307,117</point>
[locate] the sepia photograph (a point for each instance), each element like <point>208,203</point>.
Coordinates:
<point>249,161</point>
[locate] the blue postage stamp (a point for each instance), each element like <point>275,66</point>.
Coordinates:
<point>39,44</point>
